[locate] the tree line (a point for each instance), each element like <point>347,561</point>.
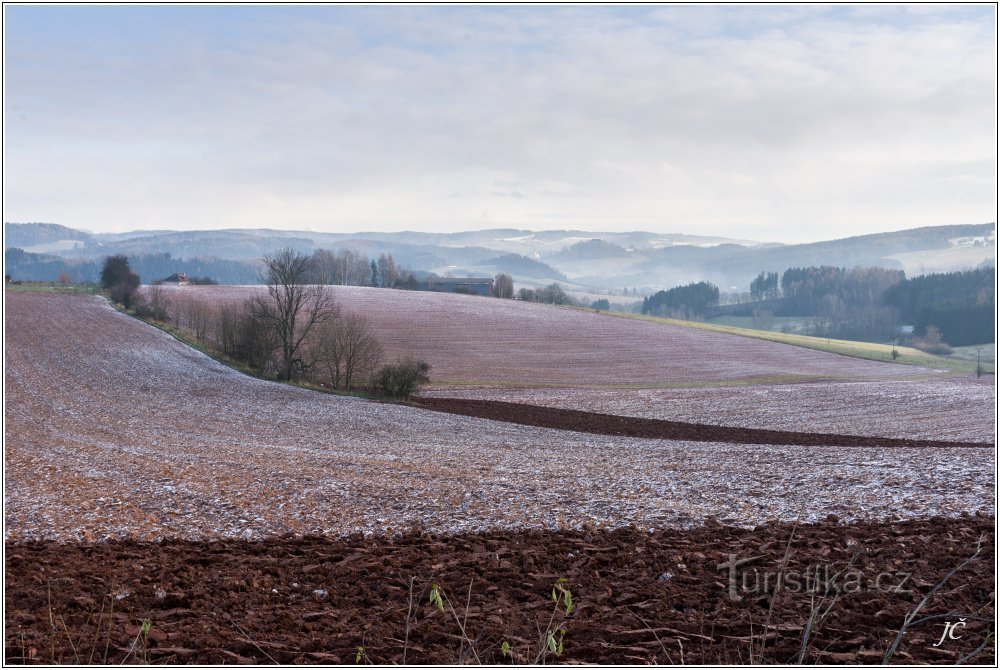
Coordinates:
<point>959,304</point>
<point>295,331</point>
<point>682,302</point>
<point>872,303</point>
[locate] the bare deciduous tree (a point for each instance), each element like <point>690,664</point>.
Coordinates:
<point>348,351</point>
<point>197,317</point>
<point>242,336</point>
<point>503,286</point>
<point>291,307</point>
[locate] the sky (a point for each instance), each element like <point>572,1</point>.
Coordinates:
<point>782,123</point>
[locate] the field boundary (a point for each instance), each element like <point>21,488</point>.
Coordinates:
<point>661,429</point>
<point>870,351</point>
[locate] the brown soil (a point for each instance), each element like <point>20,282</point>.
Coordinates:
<point>638,597</point>
<point>629,426</point>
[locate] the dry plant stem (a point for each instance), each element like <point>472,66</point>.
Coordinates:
<point>409,613</point>
<point>70,639</point>
<point>542,637</point>
<point>909,618</point>
<point>97,635</point>
<point>111,613</point>
<point>247,637</point>
<point>976,652</point>
<point>657,637</point>
<point>465,617</point>
<point>815,618</point>
<point>131,648</point>
<point>461,627</point>
<point>774,596</point>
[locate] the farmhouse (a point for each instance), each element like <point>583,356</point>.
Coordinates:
<point>176,279</point>
<point>471,285</point>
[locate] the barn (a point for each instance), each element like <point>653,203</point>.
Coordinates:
<point>470,285</point>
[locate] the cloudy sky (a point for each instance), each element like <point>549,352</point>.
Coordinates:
<point>785,123</point>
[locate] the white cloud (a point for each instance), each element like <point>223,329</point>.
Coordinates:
<point>774,123</point>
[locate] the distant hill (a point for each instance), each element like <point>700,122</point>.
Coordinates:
<point>590,250</point>
<point>734,265</point>
<point>522,266</point>
<point>44,237</point>
<point>23,265</point>
<point>581,260</point>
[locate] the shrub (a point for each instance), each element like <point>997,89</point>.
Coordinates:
<point>402,379</point>
<point>151,311</point>
<point>932,343</point>
<point>119,280</point>
<point>126,293</point>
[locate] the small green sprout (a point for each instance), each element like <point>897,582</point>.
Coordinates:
<point>436,597</point>
<point>560,591</point>
<point>554,645</point>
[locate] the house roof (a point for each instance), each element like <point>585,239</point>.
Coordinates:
<point>461,280</point>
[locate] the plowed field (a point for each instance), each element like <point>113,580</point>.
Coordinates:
<point>251,521</point>
<point>638,597</point>
<point>483,340</point>
<point>947,408</point>
<point>115,429</point>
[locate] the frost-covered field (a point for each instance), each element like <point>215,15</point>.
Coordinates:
<point>114,429</point>
<point>470,339</point>
<point>950,408</point>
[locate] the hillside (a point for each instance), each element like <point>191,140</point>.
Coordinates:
<point>168,443</point>
<point>582,260</point>
<point>470,339</point>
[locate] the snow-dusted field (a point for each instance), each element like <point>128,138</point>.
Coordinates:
<point>114,429</point>
<point>953,408</point>
<point>470,339</point>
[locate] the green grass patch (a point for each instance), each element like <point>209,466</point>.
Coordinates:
<point>865,350</point>
<point>51,287</point>
<point>747,322</point>
<point>987,354</point>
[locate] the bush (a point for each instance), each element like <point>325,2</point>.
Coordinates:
<point>403,379</point>
<point>126,293</point>
<point>151,311</point>
<point>931,342</point>
<point>121,283</point>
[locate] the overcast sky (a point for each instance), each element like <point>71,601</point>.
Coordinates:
<point>785,123</point>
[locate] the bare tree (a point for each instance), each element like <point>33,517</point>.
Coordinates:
<point>244,337</point>
<point>348,351</point>
<point>291,308</point>
<point>324,267</point>
<point>388,273</point>
<point>503,286</point>
<point>197,316</point>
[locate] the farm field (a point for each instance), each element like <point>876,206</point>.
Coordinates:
<point>469,339</point>
<point>639,597</point>
<point>951,408</point>
<point>134,462</point>
<point>115,429</point>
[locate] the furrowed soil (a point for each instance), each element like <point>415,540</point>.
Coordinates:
<point>609,424</point>
<point>638,597</point>
<point>470,339</point>
<point>116,431</point>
